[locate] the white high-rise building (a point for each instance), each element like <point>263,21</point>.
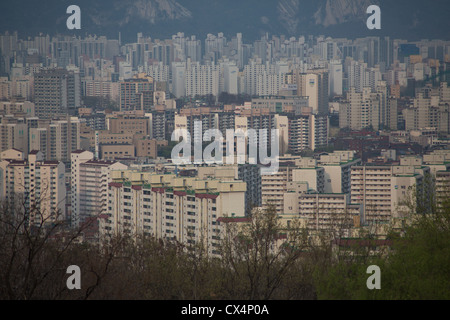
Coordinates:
<point>356,72</point>
<point>159,72</point>
<point>125,70</point>
<point>361,111</point>
<point>335,78</point>
<point>193,49</point>
<point>263,79</point>
<point>214,46</point>
<point>201,79</point>
<point>423,114</point>
<point>179,79</point>
<point>230,78</point>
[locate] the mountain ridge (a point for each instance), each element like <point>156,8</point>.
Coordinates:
<point>161,18</point>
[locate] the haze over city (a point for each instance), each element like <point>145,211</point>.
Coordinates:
<point>224,150</point>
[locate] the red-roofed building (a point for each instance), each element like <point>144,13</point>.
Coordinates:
<point>166,206</point>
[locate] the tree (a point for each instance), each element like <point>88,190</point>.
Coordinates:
<point>239,99</point>
<point>416,267</point>
<point>33,251</point>
<point>166,151</point>
<point>259,257</point>
<point>100,103</point>
<point>36,249</point>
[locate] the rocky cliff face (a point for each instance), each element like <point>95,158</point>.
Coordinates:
<point>416,19</point>
<point>334,12</point>
<point>293,14</point>
<point>122,12</point>
<point>289,14</point>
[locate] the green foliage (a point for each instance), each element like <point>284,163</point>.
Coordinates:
<point>100,103</point>
<point>260,263</point>
<point>239,99</point>
<point>417,267</point>
<point>261,259</point>
<point>166,151</point>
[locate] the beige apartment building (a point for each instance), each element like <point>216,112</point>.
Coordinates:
<point>146,147</point>
<point>166,206</point>
<point>331,212</point>
<point>291,169</point>
<point>57,139</point>
<point>33,183</point>
<point>438,160</point>
<point>89,185</point>
<point>130,124</point>
<point>122,145</point>
<point>13,135</point>
<point>117,151</point>
<point>17,106</point>
<point>337,166</point>
<point>442,190</point>
<point>383,190</point>
<point>136,93</point>
<point>106,137</point>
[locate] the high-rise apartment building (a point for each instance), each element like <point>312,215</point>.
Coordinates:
<point>335,78</point>
<point>89,185</point>
<point>57,92</point>
<point>307,132</point>
<point>331,212</point>
<point>442,189</point>
<point>136,93</point>
<point>193,49</point>
<point>34,185</point>
<point>314,85</point>
<point>201,79</point>
<point>249,173</point>
<point>166,206</point>
<point>162,122</point>
<point>361,111</point>
<point>384,190</point>
<point>369,108</point>
<point>13,134</point>
<point>296,170</point>
<point>56,139</point>
<point>179,79</point>
<point>428,112</point>
<point>337,166</point>
<point>129,123</point>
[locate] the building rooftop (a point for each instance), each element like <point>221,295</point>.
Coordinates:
<point>48,163</point>
<point>99,162</point>
<point>78,151</point>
